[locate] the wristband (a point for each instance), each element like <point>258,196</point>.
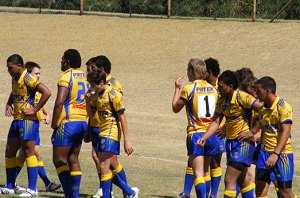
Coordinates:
<point>276,153</point>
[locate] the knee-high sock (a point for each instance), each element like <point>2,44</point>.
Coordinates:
<point>119,174</point>
<point>188,180</point>
<point>207,180</point>
<point>229,193</point>
<point>200,187</point>
<point>76,178</point>
<point>215,175</point>
<point>10,167</point>
<point>106,181</point>
<point>248,191</point>
<point>43,174</point>
<point>65,179</point>
<point>32,171</point>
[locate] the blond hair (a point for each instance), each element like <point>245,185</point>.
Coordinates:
<point>199,68</point>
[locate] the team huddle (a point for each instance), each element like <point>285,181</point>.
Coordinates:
<point>241,115</point>
<point>93,96</point>
<point>233,112</point>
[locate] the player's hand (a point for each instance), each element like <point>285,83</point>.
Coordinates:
<point>89,95</point>
<point>54,125</point>
<point>128,147</point>
<point>201,142</point>
<point>29,111</point>
<point>9,110</point>
<point>86,138</point>
<point>178,82</point>
<point>245,135</point>
<point>271,161</point>
<point>221,132</point>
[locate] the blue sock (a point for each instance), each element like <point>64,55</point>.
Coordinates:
<point>215,175</point>
<point>200,187</point>
<point>43,174</point>
<point>121,184</point>
<point>106,181</point>
<point>121,173</point>
<point>19,167</point>
<point>11,168</point>
<point>207,180</point>
<point>32,171</point>
<point>65,179</point>
<point>76,178</point>
<point>188,181</point>
<point>248,191</point>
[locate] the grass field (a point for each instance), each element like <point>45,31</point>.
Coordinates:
<point>147,55</point>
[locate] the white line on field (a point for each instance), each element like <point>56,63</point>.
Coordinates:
<point>141,156</point>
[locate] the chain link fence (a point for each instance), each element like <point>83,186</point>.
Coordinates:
<point>216,9</point>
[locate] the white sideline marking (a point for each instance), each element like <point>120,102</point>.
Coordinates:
<point>141,156</point>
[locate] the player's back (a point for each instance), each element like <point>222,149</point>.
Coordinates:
<point>201,99</point>
<point>74,106</point>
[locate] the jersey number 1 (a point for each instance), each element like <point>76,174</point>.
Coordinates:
<point>206,106</point>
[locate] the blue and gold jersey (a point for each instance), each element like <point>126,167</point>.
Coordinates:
<point>74,106</point>
<point>234,112</point>
<point>271,120</point>
<point>108,104</point>
<point>23,93</point>
<point>116,85</point>
<point>201,100</point>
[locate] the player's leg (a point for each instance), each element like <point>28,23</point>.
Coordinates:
<point>60,160</point>
<point>94,136</point>
<point>283,172</point>
<point>106,173</point>
<point>262,182</point>
<point>75,169</point>
<point>188,182</point>
<point>207,177</point>
<point>62,143</point>
<point>199,182</point>
<point>277,189</point>
<point>215,174</point>
<point>12,146</point>
<point>29,135</point>
<point>246,184</point>
<point>50,186</point>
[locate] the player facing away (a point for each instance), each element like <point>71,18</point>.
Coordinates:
<point>43,115</point>
<point>199,98</point>
<point>69,122</point>
<point>232,104</point>
<point>108,103</point>
<point>24,128</point>
<point>275,160</point>
<point>103,65</point>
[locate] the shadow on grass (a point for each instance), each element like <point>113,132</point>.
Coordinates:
<point>163,196</point>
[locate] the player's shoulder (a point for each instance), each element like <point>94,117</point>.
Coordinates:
<point>283,104</point>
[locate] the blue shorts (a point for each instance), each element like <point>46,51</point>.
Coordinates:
<point>69,134</point>
<point>240,151</point>
<point>38,139</point>
<point>94,136</point>
<point>220,145</point>
<point>108,145</point>
<point>283,170</point>
<point>24,129</point>
<point>209,147</point>
<point>256,152</point>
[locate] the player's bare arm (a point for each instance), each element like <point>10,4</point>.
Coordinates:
<point>58,106</point>
<point>177,102</point>
<point>124,125</point>
<point>46,93</point>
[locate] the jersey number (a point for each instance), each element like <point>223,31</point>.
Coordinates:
<point>81,92</point>
<point>206,106</point>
